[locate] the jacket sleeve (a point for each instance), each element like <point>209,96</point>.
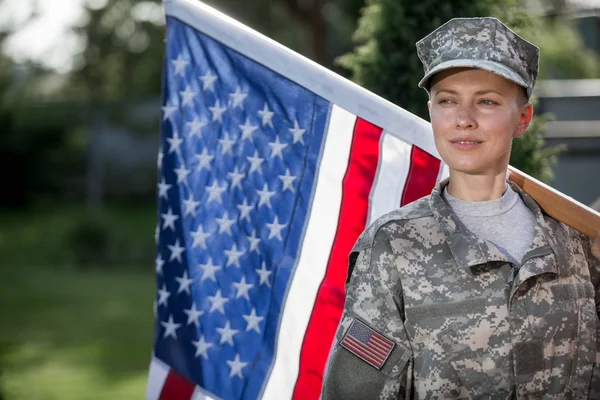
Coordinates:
<point>374,298</point>
<point>594,268</point>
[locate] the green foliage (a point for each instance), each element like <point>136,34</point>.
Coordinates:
<point>98,239</point>
<point>385,60</point>
<point>122,52</point>
<point>563,53</point>
<point>37,152</point>
<point>111,237</point>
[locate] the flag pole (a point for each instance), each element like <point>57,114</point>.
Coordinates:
<point>557,205</point>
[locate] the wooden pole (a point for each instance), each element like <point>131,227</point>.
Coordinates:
<point>557,205</point>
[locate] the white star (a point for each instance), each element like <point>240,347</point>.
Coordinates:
<point>226,144</point>
<point>277,147</point>
<point>170,327</point>
<point>209,270</point>
<point>266,115</point>
<point>233,256</point>
<point>217,111</point>
<point>214,192</point>
<point>190,205</point>
<point>236,179</point>
<point>247,130</point>
<point>208,81</point>
<point>184,283</point>
<point>265,196</point>
<point>193,315</point>
<point>159,158</point>
<point>297,132</point>
<point>187,96</point>
<point>275,229</point>
<point>264,274</point>
<point>204,160</point>
<point>237,98</point>
<point>201,347</point>
<point>236,367</point>
<point>245,209</point>
<point>196,127</point>
<point>199,237</point>
<point>180,63</point>
<point>254,242</point>
<point>169,219</point>
<point>163,295</point>
<point>168,112</point>
<point>288,180</point>
<point>225,223</point>
<point>174,142</point>
<point>255,162</point>
<point>182,173</point>
<point>217,302</point>
<point>253,320</point>
<point>227,334</point>
<point>176,251</point>
<point>163,187</point>
<point>159,262</point>
<point>242,288</point>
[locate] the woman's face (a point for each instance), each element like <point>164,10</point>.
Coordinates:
<point>475,114</point>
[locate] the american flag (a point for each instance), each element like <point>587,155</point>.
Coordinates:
<point>367,344</point>
<point>270,167</point>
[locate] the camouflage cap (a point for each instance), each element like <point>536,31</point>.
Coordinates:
<point>484,43</point>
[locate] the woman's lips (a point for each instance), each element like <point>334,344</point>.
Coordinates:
<point>465,144</point>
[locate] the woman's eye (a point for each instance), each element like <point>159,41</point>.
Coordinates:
<point>487,102</point>
<point>444,101</point>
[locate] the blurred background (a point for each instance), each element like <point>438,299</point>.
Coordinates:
<point>80,85</point>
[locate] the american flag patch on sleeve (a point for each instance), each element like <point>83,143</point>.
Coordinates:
<point>367,344</point>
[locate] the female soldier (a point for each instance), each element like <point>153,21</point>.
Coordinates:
<point>471,292</point>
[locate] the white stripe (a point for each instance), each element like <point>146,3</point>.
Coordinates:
<point>156,378</point>
<point>314,255</point>
<point>304,72</point>
<point>392,172</point>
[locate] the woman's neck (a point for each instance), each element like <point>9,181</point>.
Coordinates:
<point>476,187</point>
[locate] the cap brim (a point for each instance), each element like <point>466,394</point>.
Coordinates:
<point>487,65</point>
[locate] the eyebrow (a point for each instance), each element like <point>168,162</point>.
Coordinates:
<point>479,92</point>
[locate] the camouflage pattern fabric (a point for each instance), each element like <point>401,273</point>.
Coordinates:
<point>467,323</point>
<point>484,43</point>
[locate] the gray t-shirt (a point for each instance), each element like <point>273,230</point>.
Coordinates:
<point>506,222</point>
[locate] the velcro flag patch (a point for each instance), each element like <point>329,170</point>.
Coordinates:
<point>368,345</point>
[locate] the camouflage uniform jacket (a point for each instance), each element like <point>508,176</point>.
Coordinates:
<point>464,321</point>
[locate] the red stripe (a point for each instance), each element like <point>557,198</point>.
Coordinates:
<point>329,304</point>
<point>176,387</point>
<point>422,175</point>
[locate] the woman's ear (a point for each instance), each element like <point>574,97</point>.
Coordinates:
<point>525,116</point>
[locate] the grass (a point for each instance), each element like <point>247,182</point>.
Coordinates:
<point>68,332</point>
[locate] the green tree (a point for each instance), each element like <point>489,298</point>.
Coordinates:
<point>385,59</point>
<point>121,56</point>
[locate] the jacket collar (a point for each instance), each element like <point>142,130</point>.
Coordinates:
<point>468,250</point>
